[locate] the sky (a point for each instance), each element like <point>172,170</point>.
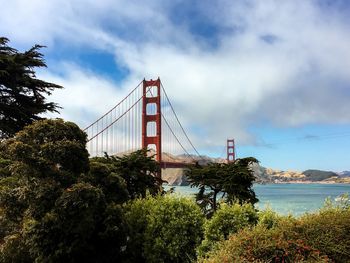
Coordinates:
<point>274,75</point>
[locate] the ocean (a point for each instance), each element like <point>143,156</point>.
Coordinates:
<point>295,199</point>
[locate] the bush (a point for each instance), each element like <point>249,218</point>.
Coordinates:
<point>328,230</point>
<point>163,229</point>
<point>269,218</point>
<point>317,237</point>
<point>265,245</point>
<point>227,220</point>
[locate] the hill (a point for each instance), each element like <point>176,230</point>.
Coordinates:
<point>317,175</point>
<point>263,175</point>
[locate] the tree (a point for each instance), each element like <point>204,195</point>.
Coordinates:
<point>233,180</point>
<point>57,205</point>
<point>22,95</point>
<point>49,149</point>
<point>102,176</point>
<point>137,169</point>
<point>39,164</point>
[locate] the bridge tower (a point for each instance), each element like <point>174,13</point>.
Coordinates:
<point>151,95</point>
<point>230,146</point>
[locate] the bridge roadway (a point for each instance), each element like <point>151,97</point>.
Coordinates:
<point>165,165</point>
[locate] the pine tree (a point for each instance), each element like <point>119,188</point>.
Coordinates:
<point>22,95</point>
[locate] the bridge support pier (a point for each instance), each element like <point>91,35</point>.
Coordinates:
<point>150,96</point>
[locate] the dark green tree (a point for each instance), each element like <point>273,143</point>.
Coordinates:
<point>232,182</point>
<point>103,176</point>
<point>42,160</point>
<point>138,170</point>
<point>72,205</point>
<point>56,205</point>
<point>22,95</point>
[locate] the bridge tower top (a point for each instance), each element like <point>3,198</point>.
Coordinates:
<point>231,151</point>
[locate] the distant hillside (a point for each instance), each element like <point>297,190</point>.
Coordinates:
<point>317,175</point>
<point>263,175</point>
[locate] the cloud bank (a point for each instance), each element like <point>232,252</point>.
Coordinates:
<point>225,67</point>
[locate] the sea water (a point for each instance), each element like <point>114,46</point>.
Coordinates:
<point>285,199</point>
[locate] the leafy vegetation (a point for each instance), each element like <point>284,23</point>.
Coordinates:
<point>233,181</point>
<point>317,237</point>
<point>163,229</point>
<point>22,94</point>
<point>269,218</point>
<point>265,245</point>
<point>56,205</point>
<point>227,220</point>
<point>137,169</point>
<point>328,231</point>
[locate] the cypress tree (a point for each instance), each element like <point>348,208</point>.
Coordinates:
<point>22,95</point>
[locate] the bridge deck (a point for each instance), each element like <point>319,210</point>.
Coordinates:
<point>164,165</point>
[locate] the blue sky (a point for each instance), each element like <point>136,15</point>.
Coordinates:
<point>274,75</point>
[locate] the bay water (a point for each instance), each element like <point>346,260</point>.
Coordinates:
<point>295,199</point>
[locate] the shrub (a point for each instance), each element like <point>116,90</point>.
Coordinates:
<point>227,220</point>
<point>317,237</point>
<point>163,229</point>
<point>328,230</point>
<point>135,214</point>
<point>269,218</point>
<point>265,245</point>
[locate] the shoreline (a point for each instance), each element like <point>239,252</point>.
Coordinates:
<point>305,182</point>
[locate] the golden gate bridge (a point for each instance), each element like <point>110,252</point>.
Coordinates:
<point>145,118</point>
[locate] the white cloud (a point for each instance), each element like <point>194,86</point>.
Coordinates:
<point>85,96</point>
<point>301,77</point>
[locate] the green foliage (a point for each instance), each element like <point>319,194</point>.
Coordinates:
<point>227,220</point>
<point>56,205</point>
<point>42,160</point>
<point>138,170</point>
<point>49,148</point>
<point>13,200</point>
<point>328,231</point>
<point>317,237</point>
<point>265,245</point>
<point>4,167</point>
<point>238,185</point>
<point>234,180</point>
<point>163,229</point>
<point>102,175</point>
<point>80,227</point>
<point>66,233</point>
<point>22,94</point>
<point>269,218</point>
<point>136,215</point>
<point>14,249</point>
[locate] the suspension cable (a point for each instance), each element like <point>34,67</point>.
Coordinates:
<point>104,115</point>
<point>177,138</point>
<point>118,117</point>
<point>183,130</point>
